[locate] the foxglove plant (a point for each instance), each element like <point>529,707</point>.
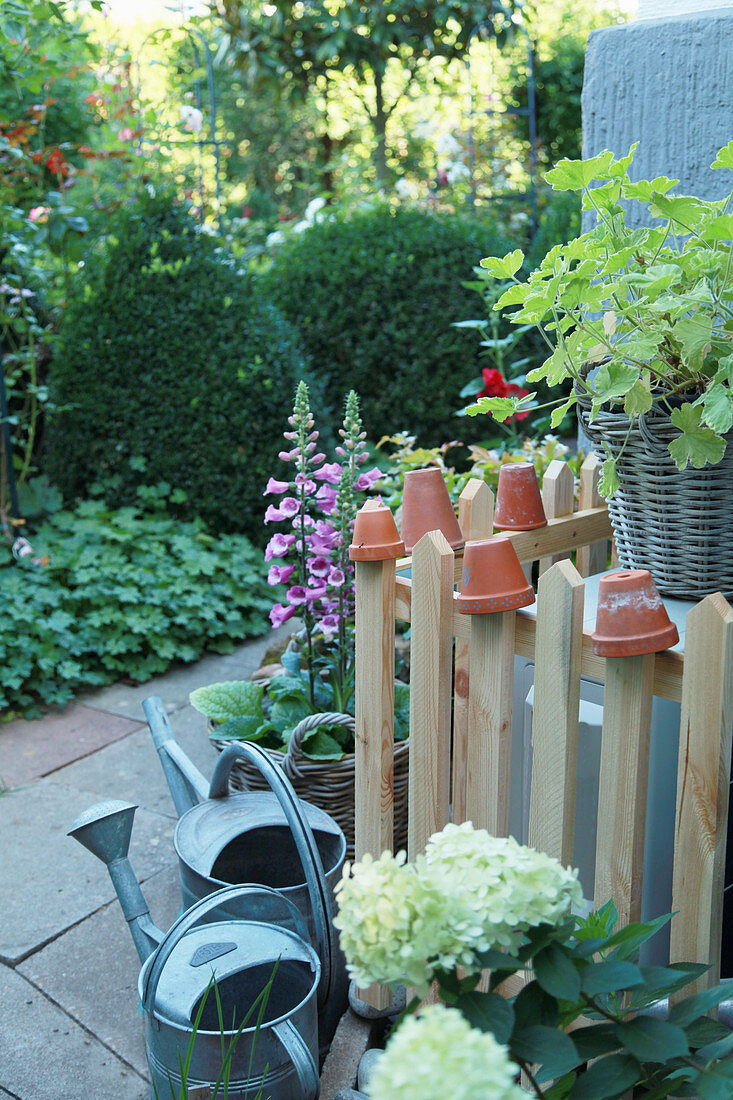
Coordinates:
<point>318,570</point>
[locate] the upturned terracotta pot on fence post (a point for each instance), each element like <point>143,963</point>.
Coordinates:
<point>630,616</point>
<point>518,499</point>
<point>426,506</point>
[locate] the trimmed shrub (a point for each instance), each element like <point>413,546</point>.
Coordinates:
<point>170,366</point>
<point>373,297</point>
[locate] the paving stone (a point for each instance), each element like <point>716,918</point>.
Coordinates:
<point>131,768</point>
<point>92,970</point>
<point>48,882</point>
<point>30,749</point>
<point>44,1055</point>
<point>174,687</point>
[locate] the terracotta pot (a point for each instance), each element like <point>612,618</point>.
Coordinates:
<point>492,578</point>
<point>518,500</point>
<point>426,506</point>
<point>375,536</point>
<point>631,618</point>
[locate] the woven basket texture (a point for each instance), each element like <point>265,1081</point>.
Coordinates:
<point>330,784</point>
<point>678,524</point>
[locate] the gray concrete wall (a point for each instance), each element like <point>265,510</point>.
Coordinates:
<point>667,83</point>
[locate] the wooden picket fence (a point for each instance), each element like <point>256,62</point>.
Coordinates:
<point>461,687</point>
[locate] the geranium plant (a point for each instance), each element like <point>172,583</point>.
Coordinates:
<point>473,903</point>
<point>634,317</point>
<point>318,502</point>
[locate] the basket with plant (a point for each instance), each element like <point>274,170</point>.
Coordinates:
<point>304,716</point>
<point>640,321</point>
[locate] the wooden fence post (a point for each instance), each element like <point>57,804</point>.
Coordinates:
<point>558,651</point>
<point>374,735</point>
<point>702,787</point>
<point>594,557</point>
<point>488,755</point>
<point>622,785</point>
<point>476,519</point>
<point>431,653</point>
<point>558,490</point>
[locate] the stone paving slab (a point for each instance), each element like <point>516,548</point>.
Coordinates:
<point>45,1055</point>
<point>174,687</point>
<point>131,769</point>
<point>69,970</point>
<point>48,882</point>
<point>30,749</point>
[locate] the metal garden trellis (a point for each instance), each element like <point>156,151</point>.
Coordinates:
<point>197,43</point>
<point>529,111</point>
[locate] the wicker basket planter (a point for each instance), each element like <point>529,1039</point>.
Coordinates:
<point>678,524</point>
<point>330,785</point>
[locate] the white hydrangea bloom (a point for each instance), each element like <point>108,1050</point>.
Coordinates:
<point>446,145</point>
<point>439,1056</point>
<point>457,171</point>
<point>191,118</point>
<point>313,208</point>
<point>275,238</point>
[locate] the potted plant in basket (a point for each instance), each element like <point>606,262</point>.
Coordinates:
<point>304,716</point>
<point>640,321</point>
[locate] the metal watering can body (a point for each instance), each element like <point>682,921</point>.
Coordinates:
<point>268,837</point>
<point>200,982</point>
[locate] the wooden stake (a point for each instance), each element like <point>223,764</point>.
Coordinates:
<point>374,736</point>
<point>594,557</point>
<point>488,758</point>
<point>702,787</point>
<point>622,786</point>
<point>431,653</point>
<point>558,652</point>
<point>558,490</point>
<point>476,518</point>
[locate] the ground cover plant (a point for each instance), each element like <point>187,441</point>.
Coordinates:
<point>125,592</point>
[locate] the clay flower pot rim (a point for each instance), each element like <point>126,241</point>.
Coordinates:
<point>518,499</point>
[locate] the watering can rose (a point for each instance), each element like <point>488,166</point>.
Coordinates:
<point>470,893</point>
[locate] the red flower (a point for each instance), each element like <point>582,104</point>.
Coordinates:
<point>55,163</point>
<point>494,383</point>
<point>513,390</point>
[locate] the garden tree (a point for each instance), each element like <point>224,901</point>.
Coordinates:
<point>298,46</point>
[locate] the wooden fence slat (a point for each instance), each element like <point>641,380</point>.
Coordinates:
<point>592,558</point>
<point>476,519</point>
<point>490,683</point>
<point>374,735</point>
<point>558,491</point>
<point>431,654</point>
<point>556,706</point>
<point>622,786</point>
<point>702,786</point>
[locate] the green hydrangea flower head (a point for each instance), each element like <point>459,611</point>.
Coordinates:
<point>439,1056</point>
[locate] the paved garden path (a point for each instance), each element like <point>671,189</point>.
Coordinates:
<point>70,1027</point>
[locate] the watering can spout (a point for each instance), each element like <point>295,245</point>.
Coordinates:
<point>185,782</point>
<point>105,830</point>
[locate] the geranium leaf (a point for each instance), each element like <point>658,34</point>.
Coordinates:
<point>719,229</point>
<point>638,400</point>
<point>614,379</point>
<point>501,408</point>
<point>609,481</point>
<point>717,403</point>
<point>558,414</point>
<point>694,335</point>
<point>573,175</point>
<point>686,210</point>
<point>697,444</point>
<point>643,189</point>
<point>504,267</point>
<point>724,158</point>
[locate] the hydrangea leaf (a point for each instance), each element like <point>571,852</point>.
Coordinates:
<point>504,267</point>
<point>228,699</point>
<point>652,1040</point>
<point>697,444</point>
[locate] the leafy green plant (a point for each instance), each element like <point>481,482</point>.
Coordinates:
<point>190,365</point>
<point>126,592</point>
<point>474,902</point>
<point>648,308</point>
<point>384,286</point>
<point>243,711</point>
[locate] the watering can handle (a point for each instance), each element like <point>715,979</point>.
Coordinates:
<point>184,924</point>
<point>301,1057</point>
<point>305,842</point>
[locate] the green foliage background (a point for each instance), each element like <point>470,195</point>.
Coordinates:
<point>373,297</point>
<point>171,366</point>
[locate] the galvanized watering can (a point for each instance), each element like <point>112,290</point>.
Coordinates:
<point>222,839</point>
<point>241,956</point>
